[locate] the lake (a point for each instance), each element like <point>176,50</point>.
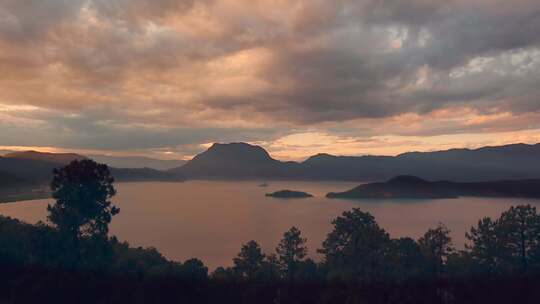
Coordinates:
<point>210,220</point>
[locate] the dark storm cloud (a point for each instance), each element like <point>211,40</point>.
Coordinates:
<point>175,72</point>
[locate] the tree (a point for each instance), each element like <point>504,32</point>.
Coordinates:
<point>486,247</point>
<point>356,247</point>
<point>249,261</point>
<point>520,235</point>
<point>405,258</point>
<point>291,251</point>
<point>82,191</point>
<point>436,245</point>
<point>269,270</point>
<point>194,269</point>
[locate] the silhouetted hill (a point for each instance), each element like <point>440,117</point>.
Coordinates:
<point>517,161</point>
<point>31,172</point>
<point>123,162</point>
<point>398,187</point>
<point>505,162</point>
<point>414,187</point>
<point>244,161</point>
<point>330,167</point>
<point>8,181</point>
<point>235,161</point>
<point>60,158</point>
<point>137,162</point>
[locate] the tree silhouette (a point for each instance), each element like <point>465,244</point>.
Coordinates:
<point>520,234</point>
<point>405,258</point>
<point>291,251</point>
<point>436,245</point>
<point>486,247</point>
<point>249,261</point>
<point>82,191</point>
<point>356,247</point>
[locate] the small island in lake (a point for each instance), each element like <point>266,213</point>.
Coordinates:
<point>412,187</point>
<point>289,194</point>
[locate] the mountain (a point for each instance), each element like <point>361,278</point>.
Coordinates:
<point>235,161</point>
<point>34,169</point>
<point>9,181</point>
<point>127,162</point>
<point>59,158</point>
<point>244,161</point>
<point>351,168</point>
<point>411,187</point>
<point>31,170</point>
<point>517,161</point>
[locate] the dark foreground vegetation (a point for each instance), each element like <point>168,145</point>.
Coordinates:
<point>73,260</point>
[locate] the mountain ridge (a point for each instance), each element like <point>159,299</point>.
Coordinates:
<point>245,161</point>
<point>242,161</point>
<point>412,187</point>
<point>60,158</point>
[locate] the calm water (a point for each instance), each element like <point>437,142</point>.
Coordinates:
<point>210,220</point>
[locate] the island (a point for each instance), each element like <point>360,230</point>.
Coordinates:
<point>398,187</point>
<point>412,187</point>
<point>289,194</point>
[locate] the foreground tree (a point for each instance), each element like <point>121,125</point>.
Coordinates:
<point>82,191</point>
<point>436,245</point>
<point>520,234</point>
<point>249,261</point>
<point>356,248</point>
<point>405,259</point>
<point>291,252</point>
<point>486,246</point>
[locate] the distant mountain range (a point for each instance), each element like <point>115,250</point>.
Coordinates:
<point>121,162</point>
<point>58,158</point>
<point>241,161</point>
<point>32,169</point>
<point>244,161</point>
<point>130,162</point>
<point>412,187</point>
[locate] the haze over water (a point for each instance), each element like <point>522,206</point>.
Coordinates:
<point>210,220</point>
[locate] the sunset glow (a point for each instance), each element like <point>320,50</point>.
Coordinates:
<point>166,78</point>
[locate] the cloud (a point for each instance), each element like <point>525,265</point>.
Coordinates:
<point>144,74</point>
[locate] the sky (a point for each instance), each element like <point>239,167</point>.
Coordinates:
<point>166,78</point>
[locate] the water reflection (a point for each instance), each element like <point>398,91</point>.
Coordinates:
<point>210,220</point>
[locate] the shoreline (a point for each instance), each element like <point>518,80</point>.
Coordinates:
<point>23,196</point>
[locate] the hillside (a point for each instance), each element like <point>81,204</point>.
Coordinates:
<point>9,181</point>
<point>59,158</point>
<point>35,169</point>
<point>235,161</point>
<point>411,187</point>
<point>138,162</point>
<point>244,161</point>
